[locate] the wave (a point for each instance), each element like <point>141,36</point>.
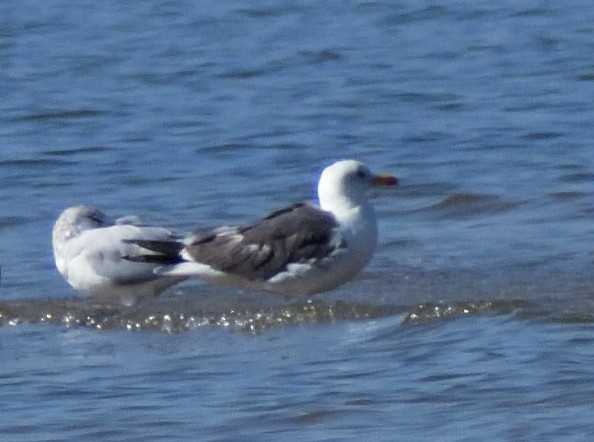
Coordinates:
<point>462,205</point>
<point>185,315</point>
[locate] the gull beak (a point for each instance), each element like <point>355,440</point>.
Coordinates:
<point>384,180</point>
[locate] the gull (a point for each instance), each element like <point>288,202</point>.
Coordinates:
<point>88,252</point>
<point>298,250</point>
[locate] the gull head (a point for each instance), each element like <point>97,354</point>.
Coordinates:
<point>75,220</point>
<point>345,184</point>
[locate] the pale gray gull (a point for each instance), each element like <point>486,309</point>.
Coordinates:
<point>298,250</point>
<point>88,252</point>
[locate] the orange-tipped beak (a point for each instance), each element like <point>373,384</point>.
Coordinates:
<point>385,180</point>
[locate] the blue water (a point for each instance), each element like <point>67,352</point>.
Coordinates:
<point>474,321</point>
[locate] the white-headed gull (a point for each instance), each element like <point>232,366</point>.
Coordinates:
<point>298,250</point>
<point>88,252</point>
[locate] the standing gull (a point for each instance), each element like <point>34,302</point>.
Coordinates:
<point>298,250</point>
<point>88,252</point>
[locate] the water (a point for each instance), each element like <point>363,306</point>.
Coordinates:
<point>474,321</point>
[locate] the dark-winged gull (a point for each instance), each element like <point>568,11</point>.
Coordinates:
<point>88,252</point>
<point>298,250</point>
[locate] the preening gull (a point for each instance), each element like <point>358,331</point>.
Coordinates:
<point>88,252</point>
<point>298,250</point>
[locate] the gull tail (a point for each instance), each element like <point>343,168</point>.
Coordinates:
<point>158,252</point>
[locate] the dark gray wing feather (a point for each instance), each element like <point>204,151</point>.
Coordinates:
<point>260,250</point>
<point>164,251</point>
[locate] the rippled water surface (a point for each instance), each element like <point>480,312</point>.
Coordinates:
<point>475,319</point>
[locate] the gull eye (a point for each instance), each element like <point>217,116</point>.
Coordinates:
<point>97,217</point>
<point>361,173</point>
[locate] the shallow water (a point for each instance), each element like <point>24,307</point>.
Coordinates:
<point>472,322</point>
